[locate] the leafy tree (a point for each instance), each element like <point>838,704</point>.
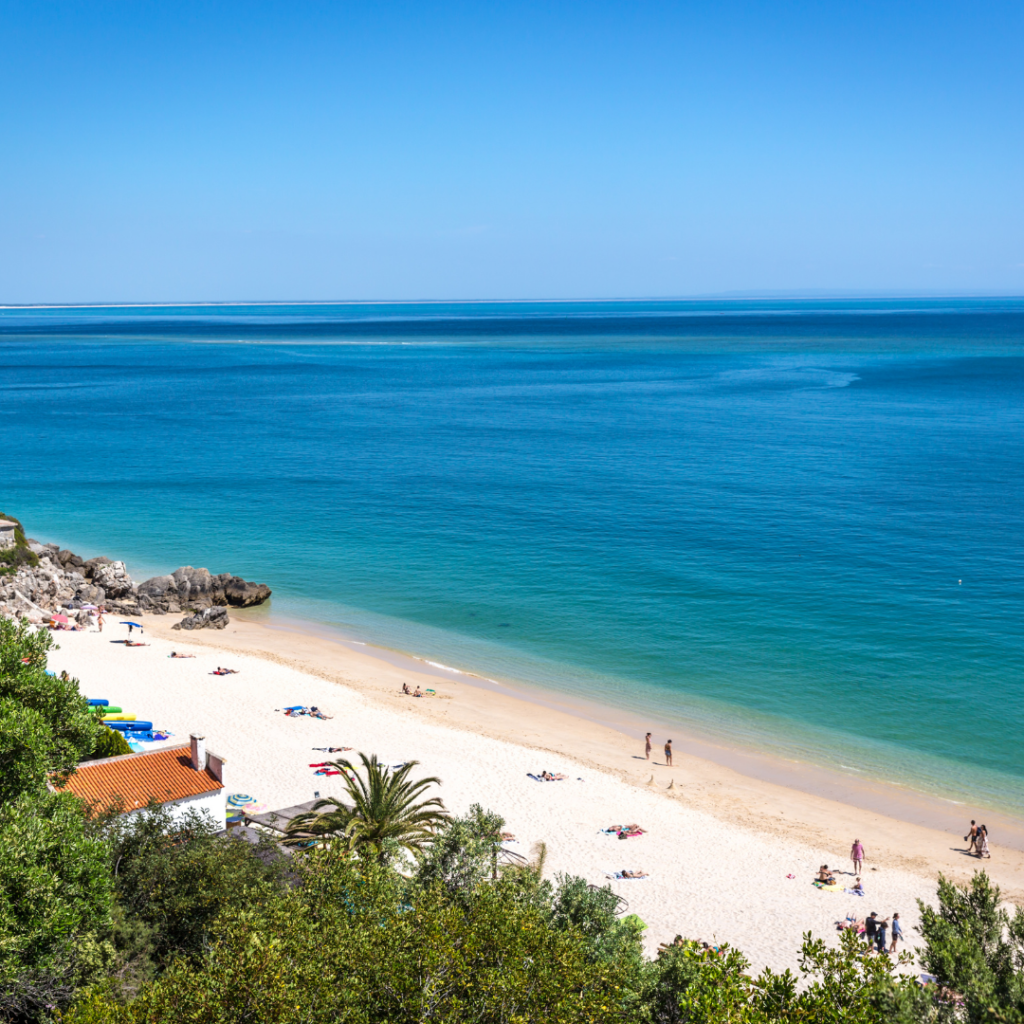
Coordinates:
<point>594,913</point>
<point>464,851</point>
<point>370,947</point>
<point>109,743</point>
<point>176,876</point>
<point>44,723</point>
<point>848,983</point>
<point>55,902</point>
<point>386,814</point>
<point>976,949</point>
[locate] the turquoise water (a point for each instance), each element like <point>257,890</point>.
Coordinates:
<point>751,518</point>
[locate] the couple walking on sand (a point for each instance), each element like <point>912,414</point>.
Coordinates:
<point>977,840</point>
<point>668,750</point>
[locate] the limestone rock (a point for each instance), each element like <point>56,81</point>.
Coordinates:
<point>240,594</point>
<point>89,568</point>
<point>87,593</point>
<point>69,559</point>
<point>158,593</point>
<point>209,618</point>
<point>189,587</point>
<point>114,579</point>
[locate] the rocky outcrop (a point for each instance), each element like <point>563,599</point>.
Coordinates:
<point>114,579</point>
<point>64,582</point>
<point>209,618</point>
<point>198,588</point>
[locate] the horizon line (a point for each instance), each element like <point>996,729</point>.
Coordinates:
<point>717,296</point>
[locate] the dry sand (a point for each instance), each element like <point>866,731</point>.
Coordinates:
<point>719,844</point>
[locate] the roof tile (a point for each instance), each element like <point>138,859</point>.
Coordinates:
<point>163,775</point>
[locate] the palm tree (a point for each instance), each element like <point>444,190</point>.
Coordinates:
<point>386,812</point>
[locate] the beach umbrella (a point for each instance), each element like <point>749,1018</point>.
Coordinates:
<point>135,624</point>
<point>88,607</point>
<point>240,800</point>
<point>59,618</point>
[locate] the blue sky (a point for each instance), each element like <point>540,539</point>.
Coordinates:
<point>302,150</point>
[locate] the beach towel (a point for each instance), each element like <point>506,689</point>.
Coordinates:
<point>855,892</point>
<point>322,772</point>
<point>834,887</point>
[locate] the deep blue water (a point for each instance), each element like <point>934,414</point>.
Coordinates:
<point>750,517</point>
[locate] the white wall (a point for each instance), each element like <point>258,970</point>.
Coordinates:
<point>213,803</point>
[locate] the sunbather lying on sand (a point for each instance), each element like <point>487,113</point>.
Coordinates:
<point>175,654</point>
<point>851,922</point>
<point>631,874</point>
<point>225,672</point>
<point>548,777</point>
<point>331,750</point>
<point>134,643</point>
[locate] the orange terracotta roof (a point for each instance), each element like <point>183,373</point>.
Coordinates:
<point>164,775</point>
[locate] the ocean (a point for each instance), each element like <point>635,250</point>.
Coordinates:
<point>788,525</point>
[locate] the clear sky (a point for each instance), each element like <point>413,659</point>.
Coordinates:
<point>272,151</point>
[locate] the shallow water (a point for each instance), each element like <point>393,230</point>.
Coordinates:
<point>751,518</point>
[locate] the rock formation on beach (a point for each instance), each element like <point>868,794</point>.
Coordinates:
<point>45,579</point>
<point>197,588</point>
<point>209,618</point>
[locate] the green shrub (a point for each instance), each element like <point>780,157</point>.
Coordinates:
<point>55,902</point>
<point>109,743</point>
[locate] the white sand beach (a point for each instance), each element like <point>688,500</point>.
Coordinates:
<point>719,847</point>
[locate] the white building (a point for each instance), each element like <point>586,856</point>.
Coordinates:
<point>7,533</point>
<point>184,777</point>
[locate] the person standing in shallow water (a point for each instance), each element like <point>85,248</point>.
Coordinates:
<point>647,746</point>
<point>668,753</point>
<point>857,856</point>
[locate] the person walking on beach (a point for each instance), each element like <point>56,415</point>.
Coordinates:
<point>981,842</point>
<point>971,836</point>
<point>647,746</point>
<point>668,753</point>
<point>99,620</point>
<point>897,932</point>
<point>871,927</point>
<point>857,856</point>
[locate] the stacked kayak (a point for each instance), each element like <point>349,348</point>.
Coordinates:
<point>134,730</point>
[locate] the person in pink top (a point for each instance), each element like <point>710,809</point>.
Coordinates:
<point>857,856</point>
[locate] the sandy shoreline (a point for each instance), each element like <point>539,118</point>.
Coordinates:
<point>719,845</point>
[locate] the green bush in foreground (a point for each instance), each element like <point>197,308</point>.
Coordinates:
<point>360,944</point>
<point>976,950</point>
<point>56,895</point>
<point>44,725</point>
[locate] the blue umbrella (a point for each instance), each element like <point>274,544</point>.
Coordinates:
<point>135,624</point>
